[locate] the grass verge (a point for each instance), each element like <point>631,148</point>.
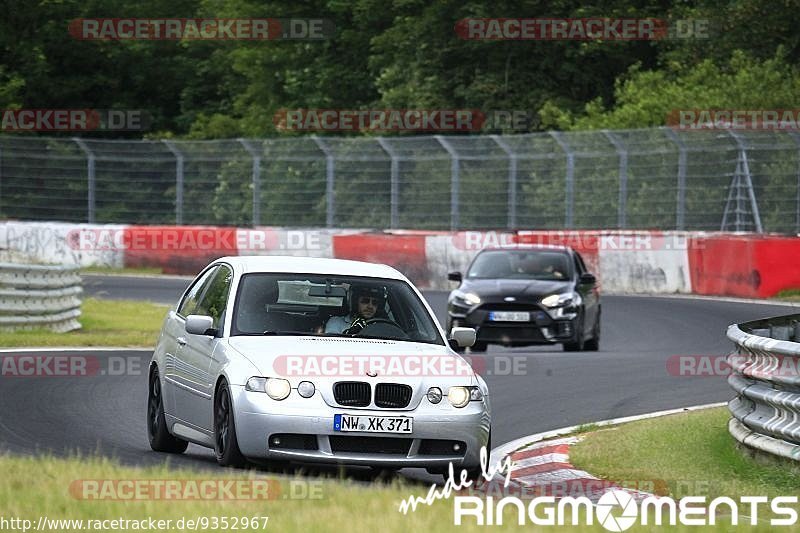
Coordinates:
<point>789,295</point>
<point>56,488</point>
<point>105,323</point>
<point>123,271</point>
<point>688,454</point>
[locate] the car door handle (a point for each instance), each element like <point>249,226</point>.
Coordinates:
<point>181,341</point>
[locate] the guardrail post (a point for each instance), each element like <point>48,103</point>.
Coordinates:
<point>622,153</point>
<point>256,180</point>
<point>569,180</point>
<point>455,181</point>
<point>330,190</point>
<point>680,209</point>
<point>90,180</point>
<point>178,180</point>
<point>394,183</point>
<point>512,180</point>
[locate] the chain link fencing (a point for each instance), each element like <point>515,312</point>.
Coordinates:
<point>656,178</point>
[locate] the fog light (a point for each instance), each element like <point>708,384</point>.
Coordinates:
<point>434,395</point>
<point>456,447</point>
<point>306,389</point>
<point>276,441</point>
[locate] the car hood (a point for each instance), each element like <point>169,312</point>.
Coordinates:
<point>488,288</point>
<point>298,357</point>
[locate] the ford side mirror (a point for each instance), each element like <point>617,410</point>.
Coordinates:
<point>455,276</point>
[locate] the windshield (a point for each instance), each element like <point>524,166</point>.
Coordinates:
<point>313,304</point>
<point>537,264</point>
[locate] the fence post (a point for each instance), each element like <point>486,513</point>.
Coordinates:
<point>256,180</point>
<point>680,209</point>
<point>178,180</point>
<point>330,191</point>
<point>796,138</point>
<point>569,179</point>
<point>622,153</point>
<point>90,179</point>
<point>1,180</point>
<point>394,183</point>
<point>742,172</point>
<point>455,181</point>
<point>512,180</point>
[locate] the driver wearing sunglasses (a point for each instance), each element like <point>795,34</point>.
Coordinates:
<point>365,304</point>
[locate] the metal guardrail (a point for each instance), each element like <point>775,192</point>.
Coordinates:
<point>766,378</point>
<point>39,296</point>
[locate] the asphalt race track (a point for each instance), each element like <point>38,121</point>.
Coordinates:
<point>106,413</point>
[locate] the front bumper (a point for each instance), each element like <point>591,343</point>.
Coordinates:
<point>541,329</point>
<point>304,427</point>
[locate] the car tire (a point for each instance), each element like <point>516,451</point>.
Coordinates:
<point>578,345</point>
<point>479,346</point>
<point>226,446</point>
<point>476,474</point>
<point>161,440</point>
<point>593,344</point>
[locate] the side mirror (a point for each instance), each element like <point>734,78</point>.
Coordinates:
<point>200,325</point>
<point>455,276</point>
<point>587,278</point>
<point>464,337</point>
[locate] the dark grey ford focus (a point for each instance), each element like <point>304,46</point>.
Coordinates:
<point>529,295</point>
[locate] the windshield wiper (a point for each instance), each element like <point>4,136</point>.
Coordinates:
<point>285,333</point>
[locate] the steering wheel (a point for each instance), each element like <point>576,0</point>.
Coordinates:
<point>391,323</point>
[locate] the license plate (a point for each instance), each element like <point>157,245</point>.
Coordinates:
<point>510,316</point>
<point>373,424</point>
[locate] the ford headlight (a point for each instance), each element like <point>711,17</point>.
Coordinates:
<point>466,299</point>
<point>558,300</point>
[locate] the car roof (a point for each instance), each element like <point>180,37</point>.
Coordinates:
<point>528,248</point>
<point>310,265</point>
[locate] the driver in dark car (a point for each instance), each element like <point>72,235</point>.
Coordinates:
<point>366,303</point>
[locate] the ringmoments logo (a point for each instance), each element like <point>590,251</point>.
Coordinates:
<point>618,510</point>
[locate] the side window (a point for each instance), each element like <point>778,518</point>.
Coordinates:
<point>189,303</point>
<point>216,297</point>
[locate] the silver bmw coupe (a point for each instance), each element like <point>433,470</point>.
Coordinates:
<point>315,360</point>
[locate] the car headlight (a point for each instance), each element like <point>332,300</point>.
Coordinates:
<point>558,300</point>
<point>467,299</point>
<point>461,396</point>
<point>276,388</point>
